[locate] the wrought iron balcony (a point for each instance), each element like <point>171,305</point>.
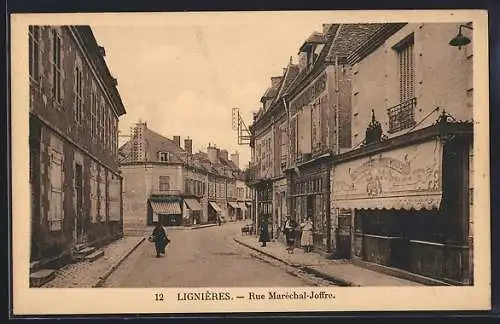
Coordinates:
<point>402,116</point>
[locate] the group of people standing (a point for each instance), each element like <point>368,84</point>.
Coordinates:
<point>291,230</point>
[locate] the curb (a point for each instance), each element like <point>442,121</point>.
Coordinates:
<point>106,275</point>
<point>266,253</point>
<point>335,280</point>
<point>203,226</point>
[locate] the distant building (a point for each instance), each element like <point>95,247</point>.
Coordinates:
<point>74,110</point>
<point>166,183</point>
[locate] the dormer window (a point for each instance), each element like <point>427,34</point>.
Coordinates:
<point>164,156</point>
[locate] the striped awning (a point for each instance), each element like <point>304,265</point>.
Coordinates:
<point>215,206</point>
<point>193,204</point>
<point>166,207</point>
<point>233,204</point>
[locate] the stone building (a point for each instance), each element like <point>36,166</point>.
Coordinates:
<point>305,118</point>
<point>73,140</point>
<point>403,192</point>
<point>164,182</point>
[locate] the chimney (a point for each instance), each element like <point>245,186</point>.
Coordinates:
<point>177,140</point>
<point>235,158</point>
<point>212,153</point>
<point>302,60</point>
<point>223,154</point>
<point>102,51</point>
<point>275,82</point>
<point>188,145</point>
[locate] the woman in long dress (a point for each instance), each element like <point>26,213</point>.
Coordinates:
<point>160,239</point>
<point>306,240</point>
<point>264,231</point>
<point>290,231</point>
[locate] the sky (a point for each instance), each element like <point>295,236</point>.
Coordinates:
<point>184,77</point>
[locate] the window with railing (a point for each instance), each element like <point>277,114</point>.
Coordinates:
<point>402,116</point>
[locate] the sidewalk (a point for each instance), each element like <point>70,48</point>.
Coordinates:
<point>342,272</point>
<point>92,274</point>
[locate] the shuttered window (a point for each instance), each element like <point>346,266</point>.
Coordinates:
<point>78,93</point>
<point>93,193</point>
<point>406,69</point>
<point>114,197</point>
<point>57,67</point>
<point>164,183</point>
<point>402,116</point>
<point>56,214</point>
<point>102,195</point>
<point>34,55</point>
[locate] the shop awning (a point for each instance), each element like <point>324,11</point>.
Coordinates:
<point>193,204</point>
<point>233,204</point>
<point>248,204</point>
<point>403,178</point>
<point>166,207</point>
<point>242,205</point>
<point>215,206</point>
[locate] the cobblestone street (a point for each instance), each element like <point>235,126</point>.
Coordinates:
<point>201,258</point>
<point>87,274</point>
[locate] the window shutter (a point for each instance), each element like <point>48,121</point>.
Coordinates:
<point>50,70</point>
<point>41,48</point>
<point>63,74</point>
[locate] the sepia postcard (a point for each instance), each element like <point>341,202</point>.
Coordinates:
<point>224,162</point>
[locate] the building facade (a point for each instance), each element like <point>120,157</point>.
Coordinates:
<point>372,139</point>
<point>74,110</point>
<point>405,191</point>
<point>308,119</point>
<point>166,183</point>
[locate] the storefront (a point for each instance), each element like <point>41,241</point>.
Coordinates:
<point>280,210</point>
<point>214,212</point>
<point>166,210</point>
<point>264,205</point>
<point>309,189</point>
<point>407,199</point>
<point>233,210</point>
<point>194,210</point>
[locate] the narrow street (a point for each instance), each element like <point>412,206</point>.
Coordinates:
<point>200,258</point>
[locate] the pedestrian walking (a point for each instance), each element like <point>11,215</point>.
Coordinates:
<point>159,237</point>
<point>306,241</point>
<point>264,231</point>
<point>290,230</point>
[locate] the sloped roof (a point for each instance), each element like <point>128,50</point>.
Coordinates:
<point>351,36</point>
<point>272,91</point>
<point>290,74</point>
<point>154,143</point>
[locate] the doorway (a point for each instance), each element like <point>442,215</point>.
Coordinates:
<point>79,204</point>
<point>344,233</point>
